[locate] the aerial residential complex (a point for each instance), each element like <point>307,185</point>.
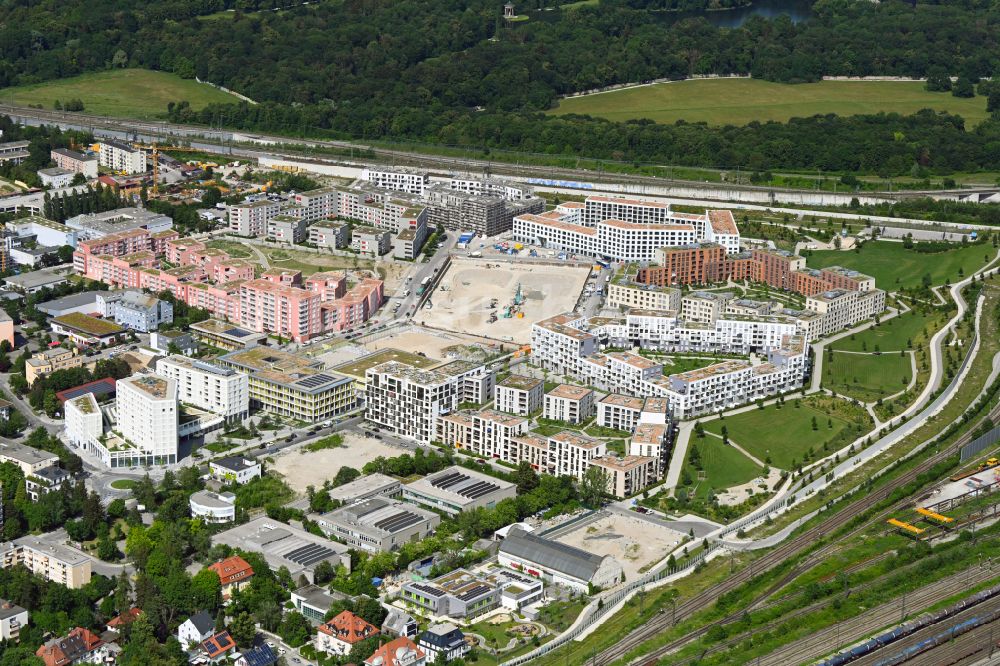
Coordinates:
<point>407,400</point>
<point>291,385</point>
<point>277,302</point>
<point>624,229</point>
<point>569,344</point>
<point>222,391</point>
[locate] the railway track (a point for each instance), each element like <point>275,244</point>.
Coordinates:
<point>826,640</point>
<point>773,559</point>
<point>958,649</point>
<point>966,649</point>
<point>165,131</point>
<point>818,605</point>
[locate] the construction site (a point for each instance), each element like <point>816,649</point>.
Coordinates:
<point>500,301</point>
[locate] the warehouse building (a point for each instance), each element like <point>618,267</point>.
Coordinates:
<point>378,524</point>
<point>457,489</point>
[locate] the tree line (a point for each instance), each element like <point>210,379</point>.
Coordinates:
<point>451,72</point>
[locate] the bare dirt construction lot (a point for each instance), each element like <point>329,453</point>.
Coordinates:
<point>462,302</point>
<point>301,469</point>
<point>436,344</point>
<point>634,542</point>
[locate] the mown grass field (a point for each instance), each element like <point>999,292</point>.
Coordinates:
<point>126,93</point>
<point>755,431</point>
<point>867,377</point>
<point>893,334</point>
<point>895,267</point>
<point>723,466</point>
<point>740,101</point>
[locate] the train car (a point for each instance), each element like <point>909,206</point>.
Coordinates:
<point>892,636</point>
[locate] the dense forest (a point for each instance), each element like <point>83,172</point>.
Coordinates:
<point>452,71</point>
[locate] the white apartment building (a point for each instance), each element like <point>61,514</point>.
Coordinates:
<point>251,218</point>
<point>286,229</point>
<point>650,439</point>
<point>620,412</point>
<point>147,416</point>
<point>688,394</point>
<point>620,372</point>
<point>559,343</point>
<point>732,383</point>
<point>408,402</point>
<point>222,391</point>
<point>571,453</point>
<point>625,229</point>
<point>329,234</point>
<point>401,180</point>
<point>643,296</point>
<point>519,394</point>
<point>492,187</point>
<point>12,619</point>
<point>318,204</point>
<point>573,404</point>
<point>704,306</point>
<point>84,421</point>
<point>716,226</point>
<point>488,433</point>
<point>841,308</point>
<point>627,475</point>
<point>665,331</point>
<point>121,157</point>
<point>235,469</point>
<point>51,561</point>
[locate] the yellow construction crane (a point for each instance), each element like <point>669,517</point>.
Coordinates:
<point>156,161</point>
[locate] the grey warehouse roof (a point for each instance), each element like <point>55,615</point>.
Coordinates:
<point>553,555</point>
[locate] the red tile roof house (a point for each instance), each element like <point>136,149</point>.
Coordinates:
<point>398,652</point>
<point>234,574</point>
<point>126,618</point>
<point>339,634</point>
<point>78,646</point>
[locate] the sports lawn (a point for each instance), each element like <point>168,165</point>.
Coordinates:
<point>867,377</point>
<point>894,267</point>
<point>127,93</point>
<point>740,101</point>
<point>893,334</point>
<point>724,466</point>
<point>755,431</point>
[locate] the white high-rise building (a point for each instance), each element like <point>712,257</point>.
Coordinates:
<point>250,219</point>
<point>121,157</point>
<point>401,180</point>
<point>407,401</point>
<point>147,416</point>
<point>222,391</point>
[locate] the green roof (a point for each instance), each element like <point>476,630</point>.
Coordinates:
<point>84,323</point>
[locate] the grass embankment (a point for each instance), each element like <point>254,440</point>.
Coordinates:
<point>895,267</point>
<point>810,427</point>
<point>125,93</point>
<point>740,101</point>
<point>716,467</point>
<point>866,377</point>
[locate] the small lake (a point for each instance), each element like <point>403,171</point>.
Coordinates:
<point>796,10</point>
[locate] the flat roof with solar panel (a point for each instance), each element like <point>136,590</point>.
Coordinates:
<point>458,489</point>
<point>284,546</point>
<point>378,524</point>
<point>459,593</point>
